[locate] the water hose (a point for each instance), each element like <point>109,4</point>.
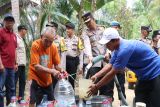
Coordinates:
<point>124,102</point>
<point>94,61</point>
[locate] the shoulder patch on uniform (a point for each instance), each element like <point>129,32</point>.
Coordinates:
<point>63,45</point>
<point>80,44</point>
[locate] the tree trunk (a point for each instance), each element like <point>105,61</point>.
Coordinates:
<point>80,22</point>
<point>93,6</point>
<point>15,13</point>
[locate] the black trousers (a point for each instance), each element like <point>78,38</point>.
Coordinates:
<point>106,89</point>
<point>20,75</point>
<point>54,82</point>
<point>148,92</point>
<point>71,67</point>
<point>121,79</point>
<point>37,92</point>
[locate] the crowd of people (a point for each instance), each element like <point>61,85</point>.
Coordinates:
<point>52,54</point>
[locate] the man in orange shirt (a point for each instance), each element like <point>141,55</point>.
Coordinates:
<point>43,64</point>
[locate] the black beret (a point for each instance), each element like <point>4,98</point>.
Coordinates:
<point>22,27</point>
<point>52,24</point>
<point>87,17</point>
<point>70,25</point>
<point>156,32</point>
<point>147,28</point>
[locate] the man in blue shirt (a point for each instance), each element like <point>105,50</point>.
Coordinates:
<point>121,75</point>
<point>138,57</point>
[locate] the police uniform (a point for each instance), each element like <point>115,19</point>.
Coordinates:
<point>146,40</point>
<point>155,39</point>
<point>91,38</point>
<point>74,55</point>
<point>60,43</point>
<point>96,49</point>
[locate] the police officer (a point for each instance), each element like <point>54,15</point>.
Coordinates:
<point>145,30</point>
<point>116,25</point>
<point>155,39</point>
<point>120,75</point>
<point>74,53</point>
<point>91,36</point>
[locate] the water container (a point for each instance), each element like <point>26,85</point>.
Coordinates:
<point>84,88</point>
<point>64,93</point>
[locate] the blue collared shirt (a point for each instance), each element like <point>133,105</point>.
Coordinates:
<point>138,57</point>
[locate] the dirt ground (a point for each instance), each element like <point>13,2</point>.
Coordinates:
<point>129,96</point>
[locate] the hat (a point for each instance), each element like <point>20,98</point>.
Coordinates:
<point>115,23</point>
<point>108,35</point>
<point>156,32</point>
<point>52,24</point>
<point>8,16</point>
<point>147,28</point>
<point>22,27</point>
<point>87,17</point>
<point>70,25</point>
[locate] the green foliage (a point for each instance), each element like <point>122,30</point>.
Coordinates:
<point>146,12</point>
<point>42,22</point>
<point>75,5</point>
<point>143,12</point>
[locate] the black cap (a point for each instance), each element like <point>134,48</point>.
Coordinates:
<point>20,27</point>
<point>8,16</point>
<point>147,28</point>
<point>70,25</point>
<point>87,17</point>
<point>52,24</point>
<point>156,32</point>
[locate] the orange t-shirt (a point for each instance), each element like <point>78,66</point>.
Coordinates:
<point>46,58</point>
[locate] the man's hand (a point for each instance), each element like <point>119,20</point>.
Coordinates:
<point>62,71</point>
<point>55,73</point>
<point>1,68</point>
<point>94,78</point>
<point>63,74</point>
<point>93,89</point>
<point>16,67</point>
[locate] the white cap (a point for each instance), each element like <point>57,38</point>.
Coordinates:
<point>108,35</point>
